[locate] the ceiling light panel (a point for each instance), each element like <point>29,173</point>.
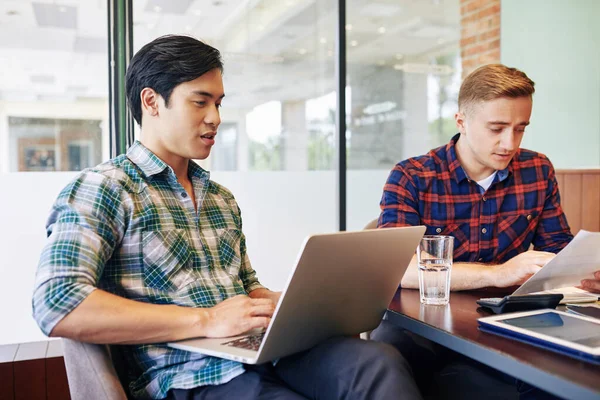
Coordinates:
<point>90,45</point>
<point>16,13</point>
<point>380,10</point>
<point>168,6</point>
<point>76,89</point>
<point>47,39</point>
<point>433,31</point>
<point>55,15</point>
<point>43,79</point>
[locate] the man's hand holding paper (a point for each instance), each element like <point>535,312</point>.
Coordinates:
<point>577,265</point>
<point>592,285</point>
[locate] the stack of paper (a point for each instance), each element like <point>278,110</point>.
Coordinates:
<point>578,260</point>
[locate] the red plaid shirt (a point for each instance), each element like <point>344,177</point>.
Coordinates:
<point>521,207</point>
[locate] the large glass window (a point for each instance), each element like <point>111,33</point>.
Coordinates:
<point>47,144</point>
<point>275,147</point>
<point>53,123</point>
<point>403,76</point>
<point>279,76</point>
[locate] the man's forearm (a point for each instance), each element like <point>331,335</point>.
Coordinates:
<point>106,318</point>
<point>465,276</point>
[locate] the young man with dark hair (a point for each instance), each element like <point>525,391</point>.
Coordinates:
<point>145,249</point>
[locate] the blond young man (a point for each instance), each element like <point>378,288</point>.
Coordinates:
<point>496,199</point>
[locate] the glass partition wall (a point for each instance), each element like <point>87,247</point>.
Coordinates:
<point>403,76</point>
<point>275,147</point>
<point>53,123</point>
<point>278,145</point>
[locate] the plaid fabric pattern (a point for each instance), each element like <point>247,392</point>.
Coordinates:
<point>128,227</point>
<point>521,207</point>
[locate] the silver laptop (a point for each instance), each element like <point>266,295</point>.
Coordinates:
<point>341,285</point>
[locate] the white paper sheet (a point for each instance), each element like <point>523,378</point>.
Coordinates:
<point>578,260</point>
<point>573,295</point>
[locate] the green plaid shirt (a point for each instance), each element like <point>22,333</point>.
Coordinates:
<point>128,227</point>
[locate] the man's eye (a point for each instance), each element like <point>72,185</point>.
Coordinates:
<point>200,103</point>
<point>496,130</point>
<point>219,105</point>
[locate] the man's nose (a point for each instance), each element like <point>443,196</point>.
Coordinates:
<point>213,117</point>
<point>508,140</point>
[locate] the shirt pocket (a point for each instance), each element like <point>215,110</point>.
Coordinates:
<point>166,257</point>
<point>460,233</point>
<point>516,231</point>
<point>229,250</point>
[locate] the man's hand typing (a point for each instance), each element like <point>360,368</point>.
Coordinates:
<point>237,315</point>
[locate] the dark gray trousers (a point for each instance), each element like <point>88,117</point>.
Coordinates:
<point>340,368</point>
<point>442,374</point>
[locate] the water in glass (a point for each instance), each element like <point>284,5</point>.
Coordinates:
<point>434,281</point>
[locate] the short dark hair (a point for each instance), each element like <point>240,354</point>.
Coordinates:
<point>165,63</point>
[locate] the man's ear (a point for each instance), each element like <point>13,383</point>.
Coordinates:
<point>149,100</point>
<point>461,121</point>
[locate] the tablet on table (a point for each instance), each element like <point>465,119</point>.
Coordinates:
<point>570,334</point>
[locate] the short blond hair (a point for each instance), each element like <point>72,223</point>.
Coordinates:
<point>491,82</point>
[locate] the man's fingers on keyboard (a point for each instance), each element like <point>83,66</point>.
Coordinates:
<point>258,302</point>
<point>260,322</point>
<point>263,310</point>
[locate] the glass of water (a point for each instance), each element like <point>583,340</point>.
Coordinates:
<point>434,256</point>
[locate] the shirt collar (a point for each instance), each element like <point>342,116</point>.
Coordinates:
<point>457,171</point>
<point>150,164</point>
<point>503,174</point>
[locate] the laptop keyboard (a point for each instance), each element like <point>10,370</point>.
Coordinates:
<point>251,342</point>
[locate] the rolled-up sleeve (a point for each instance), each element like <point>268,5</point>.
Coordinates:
<point>85,225</point>
<point>399,202</point>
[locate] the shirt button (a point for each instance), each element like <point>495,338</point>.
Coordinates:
<point>183,194</point>
<point>480,260</point>
<point>484,230</point>
<point>529,217</point>
<point>483,198</point>
<point>438,230</point>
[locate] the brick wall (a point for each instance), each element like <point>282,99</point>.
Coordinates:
<point>480,33</point>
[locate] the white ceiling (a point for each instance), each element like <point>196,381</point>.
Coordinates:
<point>273,49</point>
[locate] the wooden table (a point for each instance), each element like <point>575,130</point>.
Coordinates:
<point>455,326</point>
